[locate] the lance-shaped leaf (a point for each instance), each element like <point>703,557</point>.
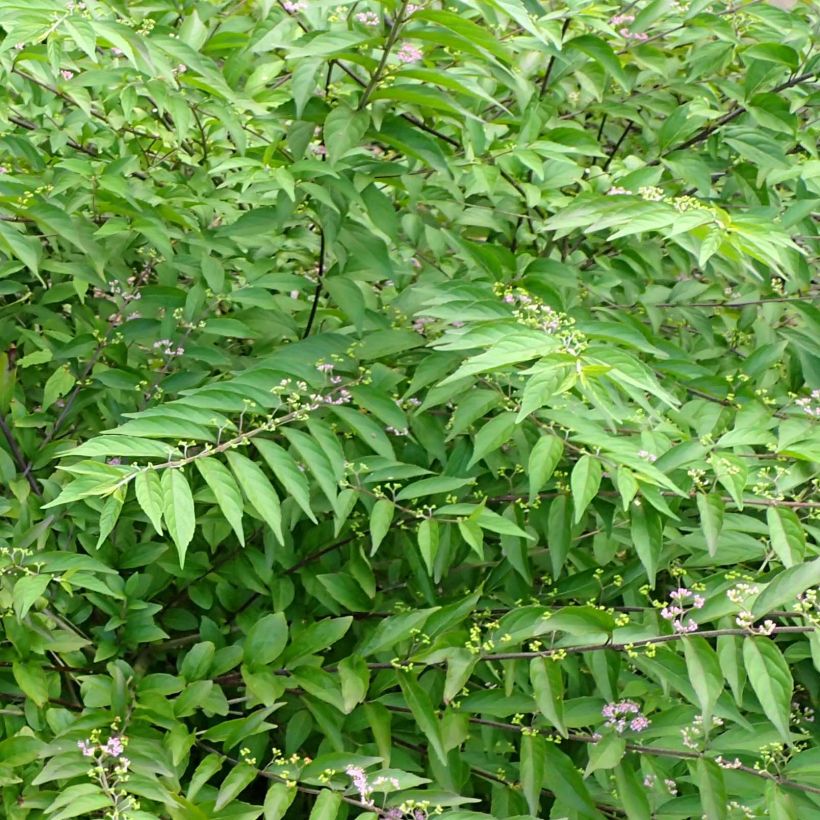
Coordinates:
<point>258,490</point>
<point>178,510</point>
<point>227,495</point>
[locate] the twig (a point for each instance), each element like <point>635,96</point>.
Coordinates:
<point>319,284</point>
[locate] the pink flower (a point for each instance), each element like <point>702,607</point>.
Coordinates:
<point>368,18</point>
<point>86,748</point>
<point>66,74</point>
<point>409,54</point>
<point>3,169</point>
<point>114,747</point>
<point>293,8</point>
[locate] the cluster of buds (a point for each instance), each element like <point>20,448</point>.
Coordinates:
<point>692,734</point>
<point>623,715</point>
<point>808,605</point>
<point>409,53</point>
<point>677,612</point>
<point>810,405</point>
<point>368,18</point>
<point>534,313</point>
<point>167,349</point>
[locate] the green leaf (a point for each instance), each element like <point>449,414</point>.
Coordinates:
<point>32,681</point>
<point>705,675</point>
<point>287,472</point>
<point>27,590</point>
<point>422,710</point>
<point>354,676</point>
<point>326,806</point>
<point>225,491</point>
<point>647,537</point>
<point>258,490</point>
<point>548,690</point>
<point>497,431</point>
<point>533,760</point>
<point>787,535</point>
<point>543,460</point>
<point>710,508</point>
<point>178,510</point>
<point>562,778</point>
<point>607,753</point>
<point>266,640</point>
<point>584,482</point>
<point>110,514</point>
<point>149,494</point>
<point>344,129</point>
<point>234,784</point>
<point>381,516</point>
<point>278,801</point>
<point>428,538</point>
<point>771,680</point>
<point>786,586</point>
<point>559,530</point>
<point>711,789</point>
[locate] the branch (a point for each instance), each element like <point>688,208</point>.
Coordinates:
<point>388,46</point>
<point>319,283</point>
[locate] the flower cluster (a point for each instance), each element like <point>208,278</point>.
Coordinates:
<point>618,716</point>
<point>294,7</point>
<point>808,605</point>
<point>368,18</point>
<point>683,602</point>
<point>110,769</point>
<point>166,347</point>
<point>633,35</point>
<point>647,456</point>
<point>692,734</point>
<point>810,405</point>
<point>409,53</point>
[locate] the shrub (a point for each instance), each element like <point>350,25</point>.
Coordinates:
<point>409,409</point>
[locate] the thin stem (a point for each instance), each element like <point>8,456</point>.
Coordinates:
<point>319,284</point>
<point>388,46</point>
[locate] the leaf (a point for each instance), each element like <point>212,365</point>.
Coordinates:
<point>548,690</point>
<point>32,681</point>
<point>58,384</point>
<point>149,494</point>
<point>647,537</point>
<point>178,510</point>
<point>432,486</point>
<point>26,592</point>
<point>326,806</point>
<point>497,431</point>
<point>266,640</point>
<point>344,129</point>
<point>786,586</point>
<point>559,531</point>
<point>110,514</point>
<point>422,709</point>
<point>354,676</point>
<point>234,784</point>
<point>533,759</point>
<point>607,753</point>
<point>381,516</point>
<point>428,539</point>
<point>787,535</point>
<point>277,801</point>
<point>710,508</point>
<point>562,778</point>
<point>543,460</point>
<point>771,680</point>
<point>286,471</point>
<point>602,53</point>
<point>584,482</point>
<point>393,630</point>
<point>258,490</point>
<point>712,790</point>
<point>705,675</point>
<point>225,491</point>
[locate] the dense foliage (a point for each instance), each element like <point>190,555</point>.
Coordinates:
<point>409,409</point>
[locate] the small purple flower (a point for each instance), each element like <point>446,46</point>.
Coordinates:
<point>409,53</point>
<point>66,74</point>
<point>86,748</point>
<point>293,8</point>
<point>368,18</point>
<point>639,723</point>
<point>114,747</point>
